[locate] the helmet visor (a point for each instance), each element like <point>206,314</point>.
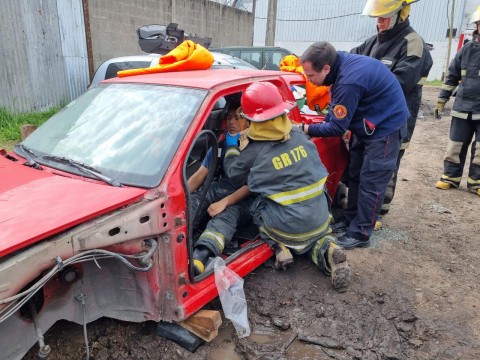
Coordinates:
<point>475,16</point>
<point>382,8</point>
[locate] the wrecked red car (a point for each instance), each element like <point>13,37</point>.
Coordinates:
<point>94,215</point>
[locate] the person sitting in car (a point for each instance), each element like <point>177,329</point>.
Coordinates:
<point>227,206</point>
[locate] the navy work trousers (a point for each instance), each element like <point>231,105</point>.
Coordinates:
<point>372,162</point>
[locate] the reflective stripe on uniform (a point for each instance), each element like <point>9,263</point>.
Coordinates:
<point>232,152</point>
<point>472,181</point>
<point>463,72</point>
<point>317,256</point>
<point>454,179</point>
<point>422,81</point>
<point>454,148</point>
<point>463,115</point>
<point>448,87</point>
<point>459,114</point>
<point>215,236</point>
<point>298,195</point>
<point>280,235</point>
<point>476,157</point>
<point>405,145</point>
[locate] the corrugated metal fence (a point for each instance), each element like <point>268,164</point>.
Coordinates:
<point>43,53</point>
<point>341,21</point>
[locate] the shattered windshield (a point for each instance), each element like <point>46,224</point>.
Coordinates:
<point>128,132</point>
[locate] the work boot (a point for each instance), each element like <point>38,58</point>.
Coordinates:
<point>384,209</point>
<point>200,257</point>
<point>443,185</point>
<point>350,242</point>
<point>339,268</point>
<point>339,226</point>
<point>332,260</point>
<point>283,257</point>
<point>475,191</point>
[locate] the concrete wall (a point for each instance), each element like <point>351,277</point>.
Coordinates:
<point>113,23</point>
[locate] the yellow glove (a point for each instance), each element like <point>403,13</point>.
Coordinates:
<point>439,108</point>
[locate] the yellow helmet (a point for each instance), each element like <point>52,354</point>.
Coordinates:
<point>386,8</point>
<point>475,16</point>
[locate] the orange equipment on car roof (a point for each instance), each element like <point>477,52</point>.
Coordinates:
<point>186,56</point>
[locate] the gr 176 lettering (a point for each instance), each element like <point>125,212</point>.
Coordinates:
<point>289,158</point>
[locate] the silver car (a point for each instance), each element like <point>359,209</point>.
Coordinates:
<point>110,67</point>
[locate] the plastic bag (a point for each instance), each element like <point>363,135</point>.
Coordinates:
<point>232,297</point>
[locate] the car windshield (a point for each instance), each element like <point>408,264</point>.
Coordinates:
<point>127,132</point>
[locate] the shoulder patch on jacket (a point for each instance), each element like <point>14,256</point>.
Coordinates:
<point>340,111</point>
<point>414,45</point>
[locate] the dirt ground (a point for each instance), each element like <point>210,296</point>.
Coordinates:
<point>414,293</point>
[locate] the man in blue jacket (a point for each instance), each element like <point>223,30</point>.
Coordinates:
<point>367,99</point>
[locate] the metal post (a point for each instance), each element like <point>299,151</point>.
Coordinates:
<point>88,39</point>
<point>450,36</point>
<point>271,23</point>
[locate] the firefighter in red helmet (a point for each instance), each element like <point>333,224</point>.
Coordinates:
<point>283,167</point>
<point>464,73</point>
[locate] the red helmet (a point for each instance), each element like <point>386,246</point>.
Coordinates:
<point>262,101</point>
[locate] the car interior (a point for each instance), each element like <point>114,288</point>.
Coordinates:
<point>216,124</point>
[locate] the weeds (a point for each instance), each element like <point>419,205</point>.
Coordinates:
<point>10,123</point>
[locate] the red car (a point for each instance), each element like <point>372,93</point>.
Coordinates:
<point>94,215</point>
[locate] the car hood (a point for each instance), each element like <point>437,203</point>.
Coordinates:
<point>35,204</point>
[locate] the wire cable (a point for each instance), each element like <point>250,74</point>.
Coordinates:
<point>304,20</point>
<point>89,255</point>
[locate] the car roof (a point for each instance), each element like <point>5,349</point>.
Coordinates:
<point>248,47</point>
<point>217,57</point>
<point>220,61</point>
<point>206,79</point>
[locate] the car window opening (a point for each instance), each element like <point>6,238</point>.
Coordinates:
<point>217,123</point>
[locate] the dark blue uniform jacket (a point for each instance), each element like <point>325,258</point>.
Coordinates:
<point>366,98</point>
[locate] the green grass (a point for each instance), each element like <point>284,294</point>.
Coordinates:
<point>10,124</point>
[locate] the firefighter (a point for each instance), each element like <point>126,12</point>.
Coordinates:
<point>405,53</point>
<point>226,205</point>
<point>283,167</point>
<point>464,72</point>
<point>368,100</point>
